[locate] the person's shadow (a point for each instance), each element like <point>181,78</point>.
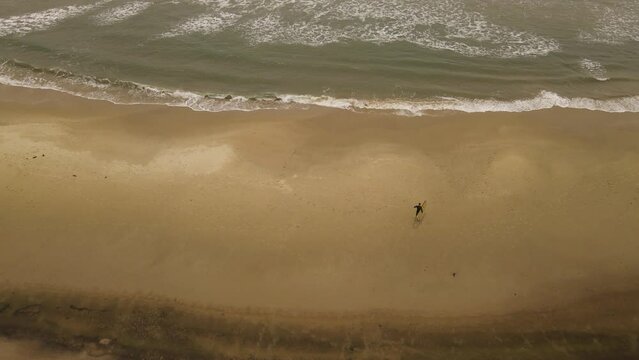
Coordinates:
<point>417,222</point>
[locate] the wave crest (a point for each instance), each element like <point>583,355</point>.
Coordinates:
<point>14,73</point>
<point>594,69</point>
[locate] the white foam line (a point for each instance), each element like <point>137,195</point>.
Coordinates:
<point>204,24</point>
<point>121,13</point>
<point>144,94</point>
<point>43,20</point>
<point>544,100</point>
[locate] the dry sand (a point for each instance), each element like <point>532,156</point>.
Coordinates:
<point>312,210</point>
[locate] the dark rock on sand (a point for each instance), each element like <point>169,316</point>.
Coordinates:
<point>228,97</point>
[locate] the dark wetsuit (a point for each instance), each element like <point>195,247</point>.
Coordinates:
<point>418,208</point>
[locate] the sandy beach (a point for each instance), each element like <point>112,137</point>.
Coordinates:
<point>291,213</point>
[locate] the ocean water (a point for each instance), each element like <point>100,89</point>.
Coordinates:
<point>404,56</point>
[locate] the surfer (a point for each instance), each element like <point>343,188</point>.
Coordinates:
<point>419,208</point>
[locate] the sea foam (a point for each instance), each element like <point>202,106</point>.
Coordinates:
<point>121,13</point>
<point>544,100</point>
<point>127,92</point>
<point>615,24</point>
<point>42,20</point>
<point>204,24</point>
<point>594,69</point>
<point>436,24</point>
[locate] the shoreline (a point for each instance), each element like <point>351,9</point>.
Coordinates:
<point>14,73</point>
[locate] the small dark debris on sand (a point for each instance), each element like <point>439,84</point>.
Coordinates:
<point>454,274</point>
<point>228,97</point>
<point>74,175</point>
<point>35,157</point>
<point>86,309</point>
<point>29,310</point>
<point>78,308</point>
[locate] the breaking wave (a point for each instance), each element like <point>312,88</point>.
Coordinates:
<point>594,69</point>
<point>14,73</point>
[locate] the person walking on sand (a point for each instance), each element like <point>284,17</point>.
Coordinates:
<point>419,208</point>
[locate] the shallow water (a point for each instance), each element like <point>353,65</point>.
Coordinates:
<point>407,56</point>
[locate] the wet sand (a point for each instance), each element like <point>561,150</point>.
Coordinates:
<point>293,213</point>
<point>83,325</point>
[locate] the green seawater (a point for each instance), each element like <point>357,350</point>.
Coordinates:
<point>399,55</point>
